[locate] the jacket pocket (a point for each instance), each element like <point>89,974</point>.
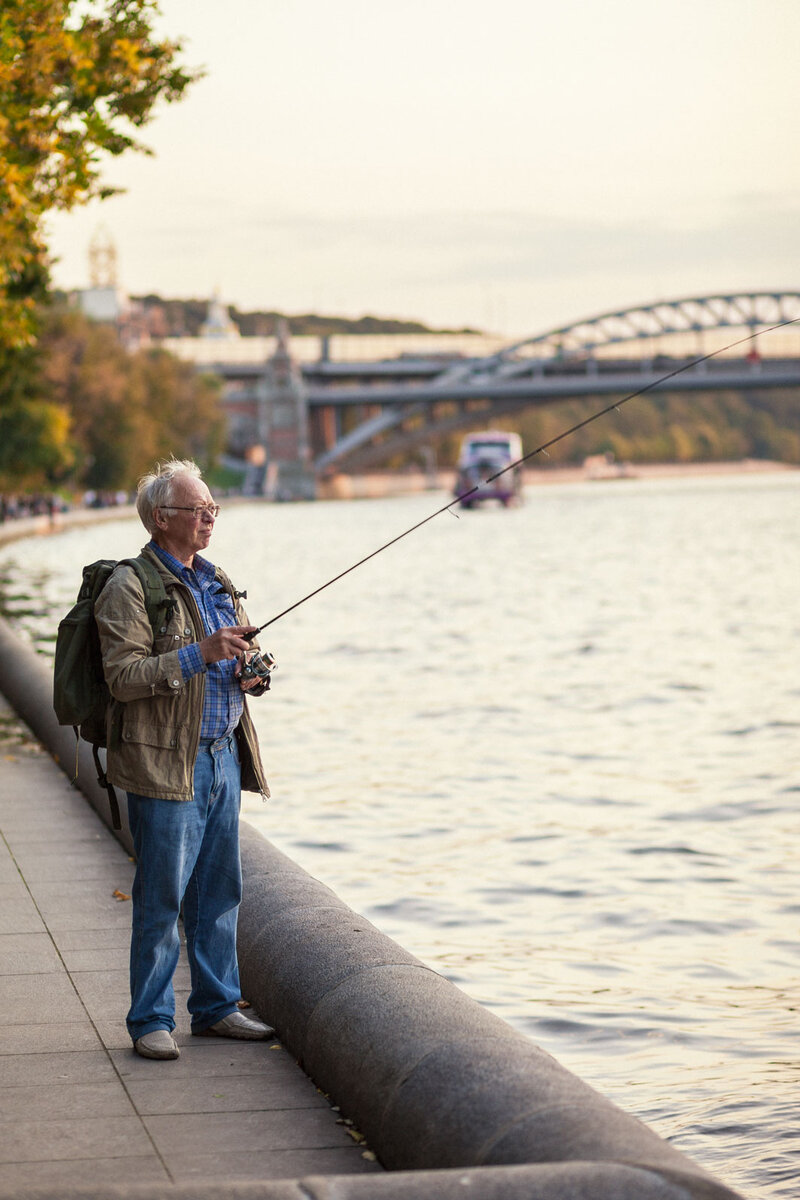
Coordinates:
<point>146,733</point>
<point>172,634</point>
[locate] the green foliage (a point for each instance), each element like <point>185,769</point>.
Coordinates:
<point>671,427</point>
<point>35,446</point>
<point>222,479</point>
<point>35,449</point>
<point>76,82</point>
<point>124,411</point>
<point>183,318</point>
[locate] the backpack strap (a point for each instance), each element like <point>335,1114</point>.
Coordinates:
<point>102,779</point>
<point>156,599</point>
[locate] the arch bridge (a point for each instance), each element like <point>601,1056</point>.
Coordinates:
<point>361,414</point>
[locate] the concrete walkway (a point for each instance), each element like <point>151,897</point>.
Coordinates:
<point>77,1106</point>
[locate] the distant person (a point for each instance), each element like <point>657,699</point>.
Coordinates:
<point>186,747</point>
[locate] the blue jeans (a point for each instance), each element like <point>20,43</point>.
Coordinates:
<point>187,851</point>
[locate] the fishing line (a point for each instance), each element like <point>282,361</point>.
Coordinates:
<point>518,462</point>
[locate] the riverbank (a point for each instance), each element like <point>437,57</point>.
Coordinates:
<point>44,525</point>
<point>377,485</point>
<point>446,1094</point>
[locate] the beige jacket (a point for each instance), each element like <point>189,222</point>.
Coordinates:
<point>154,718</point>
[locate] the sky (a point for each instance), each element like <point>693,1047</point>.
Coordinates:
<point>511,166</point>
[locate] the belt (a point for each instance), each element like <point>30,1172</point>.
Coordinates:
<point>218,743</point>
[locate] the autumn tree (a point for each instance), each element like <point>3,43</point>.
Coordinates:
<point>78,80</point>
<point>124,410</point>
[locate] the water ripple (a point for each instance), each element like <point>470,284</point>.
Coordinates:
<point>570,786</point>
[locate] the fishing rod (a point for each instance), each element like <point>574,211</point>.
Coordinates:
<point>543,449</point>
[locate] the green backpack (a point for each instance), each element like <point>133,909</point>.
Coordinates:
<point>80,693</point>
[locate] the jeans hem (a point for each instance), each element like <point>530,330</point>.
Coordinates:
<point>149,1027</point>
<point>207,1022</point>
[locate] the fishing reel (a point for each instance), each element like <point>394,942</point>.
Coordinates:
<point>259,666</point>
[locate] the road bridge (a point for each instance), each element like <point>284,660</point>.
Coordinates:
<point>362,413</point>
<point>417,415</point>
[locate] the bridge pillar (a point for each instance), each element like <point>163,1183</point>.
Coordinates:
<point>329,428</point>
<point>283,426</point>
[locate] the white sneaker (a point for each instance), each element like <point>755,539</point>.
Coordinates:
<point>157,1044</point>
<point>237,1025</point>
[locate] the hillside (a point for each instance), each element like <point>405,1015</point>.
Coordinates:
<point>671,427</point>
<point>183,318</point>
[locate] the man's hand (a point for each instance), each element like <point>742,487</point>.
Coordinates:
<point>226,643</point>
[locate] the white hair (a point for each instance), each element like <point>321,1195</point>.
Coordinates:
<point>157,489</point>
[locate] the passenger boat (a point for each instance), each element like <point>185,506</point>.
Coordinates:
<point>485,470</point>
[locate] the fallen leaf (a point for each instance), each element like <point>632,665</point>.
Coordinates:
<point>369,1155</point>
<point>118,895</point>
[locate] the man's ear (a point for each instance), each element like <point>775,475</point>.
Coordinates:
<point>159,518</point>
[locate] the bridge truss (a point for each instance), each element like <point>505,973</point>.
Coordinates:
<point>560,364</point>
<point>750,310</point>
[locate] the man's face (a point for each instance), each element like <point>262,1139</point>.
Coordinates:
<point>180,532</point>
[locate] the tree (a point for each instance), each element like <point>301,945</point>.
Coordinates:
<point>34,446</point>
<point>76,82</point>
<point>124,410</point>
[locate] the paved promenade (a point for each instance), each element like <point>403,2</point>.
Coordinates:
<point>77,1106</point>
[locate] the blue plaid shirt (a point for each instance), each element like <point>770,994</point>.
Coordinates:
<point>224,700</point>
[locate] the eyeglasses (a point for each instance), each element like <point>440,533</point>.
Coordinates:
<point>199,510</point>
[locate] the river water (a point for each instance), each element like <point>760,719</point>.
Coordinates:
<point>555,752</point>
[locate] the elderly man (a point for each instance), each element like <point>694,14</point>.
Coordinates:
<point>183,745</point>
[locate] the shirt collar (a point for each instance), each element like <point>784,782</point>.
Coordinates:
<point>201,568</point>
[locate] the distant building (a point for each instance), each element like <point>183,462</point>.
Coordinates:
<point>103,300</point>
<point>218,323</point>
<point>102,303</point>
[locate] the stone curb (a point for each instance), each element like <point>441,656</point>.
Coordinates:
<point>552,1181</point>
<point>434,1081</point>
